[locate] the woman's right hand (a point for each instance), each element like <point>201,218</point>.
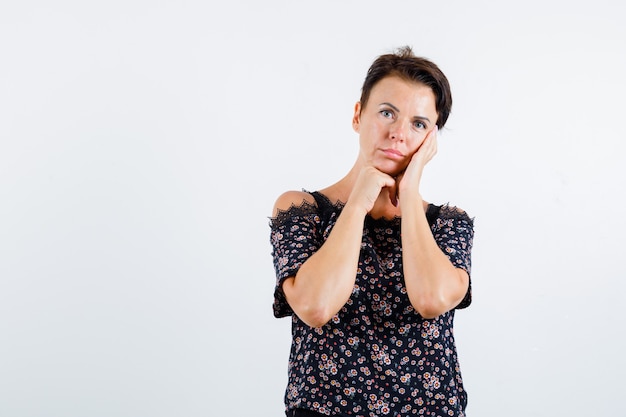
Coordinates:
<point>368,186</point>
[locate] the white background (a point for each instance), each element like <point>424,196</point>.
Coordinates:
<point>143,143</point>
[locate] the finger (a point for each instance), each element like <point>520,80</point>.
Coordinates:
<point>378,181</point>
<point>393,193</point>
<point>435,141</point>
<point>434,133</point>
<point>430,143</point>
<point>385,181</point>
<point>388,180</point>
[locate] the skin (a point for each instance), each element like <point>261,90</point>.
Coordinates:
<point>397,137</point>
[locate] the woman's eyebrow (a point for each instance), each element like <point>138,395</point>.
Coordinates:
<point>422,118</point>
<point>390,105</point>
<point>398,110</point>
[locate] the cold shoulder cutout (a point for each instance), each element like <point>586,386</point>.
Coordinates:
<point>292,199</point>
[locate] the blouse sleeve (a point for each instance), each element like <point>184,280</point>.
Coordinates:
<point>295,235</point>
<point>454,233</point>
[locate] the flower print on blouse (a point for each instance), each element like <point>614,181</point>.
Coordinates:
<point>377,356</point>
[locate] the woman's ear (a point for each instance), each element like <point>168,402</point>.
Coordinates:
<point>356,119</point>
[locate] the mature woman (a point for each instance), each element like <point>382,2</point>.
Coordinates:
<point>370,273</point>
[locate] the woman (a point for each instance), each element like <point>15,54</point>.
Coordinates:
<point>371,273</point>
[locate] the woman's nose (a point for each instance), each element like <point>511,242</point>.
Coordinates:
<point>398,131</point>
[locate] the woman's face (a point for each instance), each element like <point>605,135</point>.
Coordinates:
<point>394,122</point>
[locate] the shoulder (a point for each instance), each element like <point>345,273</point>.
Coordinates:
<point>453,213</point>
<point>290,199</point>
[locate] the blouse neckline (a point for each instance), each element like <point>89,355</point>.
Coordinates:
<point>338,205</point>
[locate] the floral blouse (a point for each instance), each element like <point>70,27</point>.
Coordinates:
<point>377,356</point>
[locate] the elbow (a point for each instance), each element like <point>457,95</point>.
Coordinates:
<point>439,300</point>
<point>312,311</point>
<point>430,312</point>
<point>431,307</point>
<point>314,316</point>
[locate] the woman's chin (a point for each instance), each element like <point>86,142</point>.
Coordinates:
<point>391,170</point>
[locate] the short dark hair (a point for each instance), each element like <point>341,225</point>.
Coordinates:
<point>404,64</point>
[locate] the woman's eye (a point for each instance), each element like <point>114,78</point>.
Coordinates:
<point>386,113</point>
<point>419,125</point>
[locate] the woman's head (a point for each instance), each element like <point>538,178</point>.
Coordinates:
<point>404,64</point>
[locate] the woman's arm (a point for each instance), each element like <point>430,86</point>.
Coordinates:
<point>325,281</point>
<point>434,285</point>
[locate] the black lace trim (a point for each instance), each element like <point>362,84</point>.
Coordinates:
<point>307,209</point>
<point>302,210</point>
<point>448,211</point>
<point>434,211</point>
<point>337,204</point>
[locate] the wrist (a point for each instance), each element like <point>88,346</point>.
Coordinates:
<point>410,199</point>
<point>409,193</point>
<point>353,209</point>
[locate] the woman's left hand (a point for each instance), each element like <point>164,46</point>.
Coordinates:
<point>409,180</point>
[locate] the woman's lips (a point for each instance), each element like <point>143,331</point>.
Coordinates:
<point>393,153</point>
